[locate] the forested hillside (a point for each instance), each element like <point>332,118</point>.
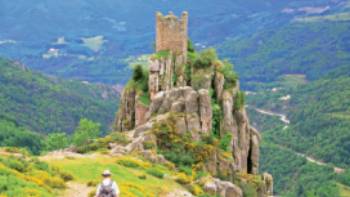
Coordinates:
<point>318,112</point>
<point>310,48</point>
<point>33,103</point>
<point>300,72</point>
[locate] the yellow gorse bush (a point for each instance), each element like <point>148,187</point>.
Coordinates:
<point>128,189</point>
<point>133,162</point>
<point>183,179</point>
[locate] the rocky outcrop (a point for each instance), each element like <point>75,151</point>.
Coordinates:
<point>179,193</point>
<point>160,74</point>
<point>217,187</point>
<point>132,112</point>
<point>162,70</point>
<point>219,82</point>
<point>218,165</point>
<point>243,139</point>
<point>268,182</point>
<point>190,110</point>
<point>254,151</point>
<point>141,113</point>
<point>125,119</point>
<point>205,111</point>
<point>193,109</point>
<point>198,99</point>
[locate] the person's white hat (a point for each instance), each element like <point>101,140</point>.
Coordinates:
<point>106,173</point>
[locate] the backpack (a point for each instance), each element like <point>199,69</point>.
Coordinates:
<point>107,190</point>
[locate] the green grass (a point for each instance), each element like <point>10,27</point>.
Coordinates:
<point>22,176</point>
<point>343,190</point>
<point>145,99</point>
<point>162,54</point>
<point>130,179</point>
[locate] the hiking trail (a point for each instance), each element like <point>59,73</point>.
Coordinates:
<point>77,190</point>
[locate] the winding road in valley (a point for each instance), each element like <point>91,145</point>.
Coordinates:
<point>282,117</point>
<point>337,170</point>
<point>286,121</point>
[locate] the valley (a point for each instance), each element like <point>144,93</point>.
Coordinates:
<point>283,118</point>
<point>292,58</point>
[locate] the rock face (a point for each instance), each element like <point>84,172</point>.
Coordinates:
<point>187,99</point>
<point>192,109</point>
<point>219,85</point>
<point>254,153</point>
<point>205,111</point>
<point>125,119</point>
<point>268,180</point>
<point>222,188</point>
<point>140,113</point>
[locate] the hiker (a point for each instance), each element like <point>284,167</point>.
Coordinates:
<point>108,187</point>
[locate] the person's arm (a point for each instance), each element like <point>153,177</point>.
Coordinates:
<point>98,190</point>
<point>116,189</point>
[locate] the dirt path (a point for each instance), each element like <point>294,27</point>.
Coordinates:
<point>61,154</point>
<point>77,190</point>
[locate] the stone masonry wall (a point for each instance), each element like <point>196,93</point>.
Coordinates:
<point>171,33</point>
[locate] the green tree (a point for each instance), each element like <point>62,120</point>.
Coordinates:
<point>140,77</point>
<point>205,58</point>
<point>15,136</point>
<point>55,141</point>
<point>138,73</point>
<point>225,142</point>
<point>190,46</point>
<point>86,131</point>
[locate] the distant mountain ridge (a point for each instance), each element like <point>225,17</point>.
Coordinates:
<point>33,29</point>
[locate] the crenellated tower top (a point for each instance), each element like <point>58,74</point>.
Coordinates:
<point>171,33</point>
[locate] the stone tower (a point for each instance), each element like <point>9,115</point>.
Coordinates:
<point>171,42</point>
<point>171,33</point>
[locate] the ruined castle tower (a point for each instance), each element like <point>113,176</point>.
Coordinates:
<point>171,33</point>
<point>171,49</point>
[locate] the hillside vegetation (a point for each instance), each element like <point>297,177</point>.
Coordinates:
<point>300,69</point>
<point>325,117</point>
<point>46,104</point>
<point>319,128</point>
<point>55,174</point>
<point>135,177</point>
<point>14,136</point>
<point>23,175</point>
<point>313,49</point>
<point>296,176</point>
